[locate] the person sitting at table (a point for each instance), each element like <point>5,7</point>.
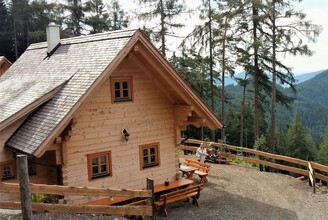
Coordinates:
<point>201,153</point>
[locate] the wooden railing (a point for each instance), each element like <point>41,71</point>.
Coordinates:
<point>80,191</point>
<point>319,171</point>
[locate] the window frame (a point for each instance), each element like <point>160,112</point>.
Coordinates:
<point>120,80</point>
<point>12,170</point>
<point>100,174</point>
<point>157,155</point>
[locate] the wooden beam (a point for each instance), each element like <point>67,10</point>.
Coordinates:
<point>72,190</point>
<point>197,120</point>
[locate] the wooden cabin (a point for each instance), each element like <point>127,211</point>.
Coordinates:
<point>103,110</point>
<point>4,65</point>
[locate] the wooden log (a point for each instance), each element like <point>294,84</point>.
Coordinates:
<point>83,209</point>
<point>24,187</point>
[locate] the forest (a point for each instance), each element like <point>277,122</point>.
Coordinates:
<point>264,111</point>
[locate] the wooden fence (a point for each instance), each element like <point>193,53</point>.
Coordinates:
<point>318,171</point>
<point>146,210</point>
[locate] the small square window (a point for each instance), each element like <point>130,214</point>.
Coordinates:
<point>99,165</point>
<point>7,170</point>
<point>149,155</point>
<point>121,89</point>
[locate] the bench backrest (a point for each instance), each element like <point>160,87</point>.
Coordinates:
<point>187,190</point>
<point>201,166</point>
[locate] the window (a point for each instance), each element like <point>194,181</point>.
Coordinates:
<point>7,170</point>
<point>99,165</point>
<point>121,89</point>
<point>149,155</point>
<point>31,167</point>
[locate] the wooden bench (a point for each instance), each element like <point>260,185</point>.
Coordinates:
<point>190,192</point>
<point>202,171</point>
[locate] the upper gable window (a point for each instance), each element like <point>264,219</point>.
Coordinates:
<point>121,89</point>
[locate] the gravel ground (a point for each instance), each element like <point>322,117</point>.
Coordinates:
<point>237,192</point>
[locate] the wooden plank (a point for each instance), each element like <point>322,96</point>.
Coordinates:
<point>83,209</point>
<point>276,166</point>
<point>320,167</point>
<point>72,190</point>
<point>321,177</point>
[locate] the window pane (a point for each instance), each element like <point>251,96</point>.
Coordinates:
<point>103,168</point>
<point>152,150</point>
<point>153,159</point>
<point>95,170</point>
<point>125,85</point>
<point>6,171</point>
<point>103,159</point>
<point>145,152</point>
<point>125,93</point>
<point>95,161</point>
<point>117,85</point>
<point>146,160</point>
<point>117,93</point>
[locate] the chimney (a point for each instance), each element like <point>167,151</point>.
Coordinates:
<point>53,37</point>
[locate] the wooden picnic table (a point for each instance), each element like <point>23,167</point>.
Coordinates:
<point>176,184</point>
<point>188,171</point>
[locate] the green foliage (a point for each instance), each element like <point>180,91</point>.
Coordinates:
<point>41,198</point>
<point>323,149</point>
<point>299,142</point>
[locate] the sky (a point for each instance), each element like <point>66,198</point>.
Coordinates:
<point>316,11</point>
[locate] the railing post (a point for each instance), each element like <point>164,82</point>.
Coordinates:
<point>150,200</point>
<point>311,176</point>
<point>24,187</point>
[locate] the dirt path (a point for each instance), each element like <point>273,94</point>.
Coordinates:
<point>236,192</point>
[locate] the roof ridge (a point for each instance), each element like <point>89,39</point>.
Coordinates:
<point>88,38</point>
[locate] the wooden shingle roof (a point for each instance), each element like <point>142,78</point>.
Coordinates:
<point>81,58</point>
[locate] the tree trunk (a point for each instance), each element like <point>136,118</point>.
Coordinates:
<point>211,63</point>
<point>274,75</point>
<point>163,29</point>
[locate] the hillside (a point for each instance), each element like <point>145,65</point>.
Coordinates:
<point>310,102</point>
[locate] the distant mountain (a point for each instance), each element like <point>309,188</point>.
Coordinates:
<point>311,103</point>
<point>298,78</point>
<point>306,76</point>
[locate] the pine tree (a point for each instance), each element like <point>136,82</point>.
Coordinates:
<point>166,11</point>
<point>6,42</point>
<point>299,141</point>
<point>323,149</point>
<point>74,22</point>
<point>98,18</point>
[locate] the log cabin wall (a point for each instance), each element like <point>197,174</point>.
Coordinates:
<point>99,124</point>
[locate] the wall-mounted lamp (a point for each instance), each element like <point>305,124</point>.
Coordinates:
<point>126,135</point>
